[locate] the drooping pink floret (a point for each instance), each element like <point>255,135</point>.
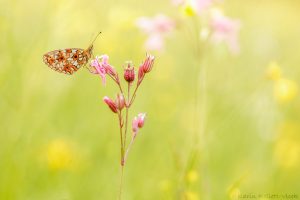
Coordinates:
<point>111,104</point>
<point>141,120</point>
<point>137,123</point>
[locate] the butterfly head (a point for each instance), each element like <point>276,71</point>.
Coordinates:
<point>89,51</point>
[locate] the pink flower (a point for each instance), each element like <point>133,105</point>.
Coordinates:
<point>141,120</point>
<point>98,68</point>
<point>138,122</point>
<point>108,68</point>
<point>120,101</point>
<point>111,104</point>
<point>148,63</point>
<point>156,28</point>
<point>145,67</point>
<point>225,29</point>
<point>155,42</point>
<point>102,67</point>
<point>201,5</point>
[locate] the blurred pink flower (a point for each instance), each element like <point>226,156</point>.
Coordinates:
<point>138,122</point>
<point>201,5</point>
<point>155,42</point>
<point>227,30</point>
<point>156,28</point>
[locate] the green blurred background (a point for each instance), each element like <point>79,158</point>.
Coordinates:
<point>59,141</point>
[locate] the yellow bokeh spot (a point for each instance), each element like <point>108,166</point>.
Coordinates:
<point>273,72</point>
<point>192,176</point>
<point>165,185</point>
<point>60,155</point>
<point>188,10</point>
<point>234,193</point>
<point>287,152</point>
<point>191,196</point>
<point>285,90</point>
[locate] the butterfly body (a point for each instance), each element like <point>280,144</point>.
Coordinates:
<point>68,60</point>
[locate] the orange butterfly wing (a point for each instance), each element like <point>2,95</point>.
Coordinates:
<point>66,61</point>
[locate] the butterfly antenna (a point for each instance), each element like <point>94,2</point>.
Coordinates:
<point>96,37</point>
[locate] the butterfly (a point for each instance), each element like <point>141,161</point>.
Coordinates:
<point>68,60</point>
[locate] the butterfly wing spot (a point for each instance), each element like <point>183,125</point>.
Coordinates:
<point>49,59</point>
<point>69,68</point>
<point>60,57</point>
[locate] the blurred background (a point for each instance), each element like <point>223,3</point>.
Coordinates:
<point>222,121</point>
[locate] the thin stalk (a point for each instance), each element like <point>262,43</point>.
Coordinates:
<point>122,154</point>
<point>121,182</point>
<point>128,149</point>
<point>126,119</point>
<point>133,95</point>
<point>121,136</point>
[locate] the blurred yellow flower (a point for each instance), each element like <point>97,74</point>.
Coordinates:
<point>191,196</point>
<point>60,155</point>
<point>287,147</point>
<point>287,152</point>
<point>192,176</point>
<point>188,10</point>
<point>165,185</point>
<point>234,193</point>
<point>285,90</point>
<point>273,72</point>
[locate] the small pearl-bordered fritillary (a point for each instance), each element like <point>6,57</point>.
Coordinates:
<point>69,60</point>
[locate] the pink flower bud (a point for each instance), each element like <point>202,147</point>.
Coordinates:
<point>137,123</point>
<point>120,101</point>
<point>110,104</point>
<point>141,119</point>
<point>148,63</point>
<point>129,73</point>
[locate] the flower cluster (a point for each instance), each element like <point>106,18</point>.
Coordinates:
<point>101,66</point>
<point>215,26</point>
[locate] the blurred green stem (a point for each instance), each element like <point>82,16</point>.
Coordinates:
<point>200,99</point>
